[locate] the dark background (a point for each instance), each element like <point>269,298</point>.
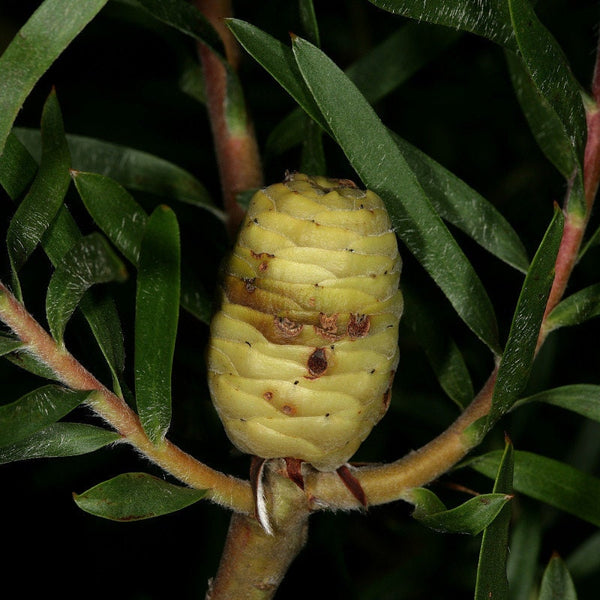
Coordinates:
<point>119,82</point>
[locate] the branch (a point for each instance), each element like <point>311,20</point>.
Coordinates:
<point>228,491</point>
<point>236,148</point>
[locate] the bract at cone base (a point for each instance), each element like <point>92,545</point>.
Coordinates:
<point>304,344</point>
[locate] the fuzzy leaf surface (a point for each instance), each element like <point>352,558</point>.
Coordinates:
<point>471,517</point>
<point>49,30</point>
<point>583,399</point>
<point>487,18</point>
<point>492,581</point>
<point>59,440</point>
<point>549,481</point>
<point>45,197</point>
<point>519,351</point>
<point>36,410</point>
<point>157,312</point>
<point>136,496</point>
<point>89,262</point>
<point>132,168</point>
<point>576,308</point>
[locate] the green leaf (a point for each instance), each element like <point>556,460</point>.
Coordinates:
<point>557,582</point>
<point>114,210</point>
<point>8,345</point>
<point>585,559</point>
<point>524,547</point>
<point>491,569</point>
<point>186,18</point>
<point>583,399</point>
<point>46,195</point>
<point>89,262</point>
<point>51,28</point>
<point>549,481</point>
<point>453,199</point>
<point>519,352</point>
<point>29,362</point>
<point>59,440</point>
<point>309,21</point>
<point>313,156</point>
<point>123,220</point>
<point>376,74</point>
<point>102,316</point>
<point>133,169</point>
<point>471,517</point>
<point>443,354</point>
<point>136,496</point>
<point>35,411</point>
<point>382,167</point>
<point>392,62</point>
<point>556,98</point>
<point>101,313</point>
<point>17,168</point>
<point>157,311</point>
<point>487,18</point>
<point>461,205</point>
<point>575,309</point>
<point>278,60</point>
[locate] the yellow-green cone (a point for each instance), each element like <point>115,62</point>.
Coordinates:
<point>304,345</point>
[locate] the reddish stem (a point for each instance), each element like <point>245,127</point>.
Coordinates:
<point>236,150</point>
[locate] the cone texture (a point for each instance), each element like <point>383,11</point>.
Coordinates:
<point>304,345</point>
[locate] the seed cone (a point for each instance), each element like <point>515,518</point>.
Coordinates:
<point>304,345</point>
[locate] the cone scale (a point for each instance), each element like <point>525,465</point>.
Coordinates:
<point>304,344</point>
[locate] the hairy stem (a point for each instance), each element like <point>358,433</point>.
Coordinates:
<point>236,148</point>
<point>225,490</point>
<point>254,562</point>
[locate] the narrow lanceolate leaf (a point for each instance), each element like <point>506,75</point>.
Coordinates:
<point>461,205</point>
<point>379,162</point>
<point>585,559</point>
<point>491,569</point>
<point>487,18</point>
<point>157,311</point>
<point>59,440</point>
<point>443,354</point>
<point>35,411</point>
<point>186,18</point>
<point>549,481</point>
<point>136,496</point>
<point>114,210</point>
<point>90,261</point>
<point>556,97</point>
<point>8,345</point>
<point>575,309</point>
<point>50,29</point>
<point>309,21</point>
<point>471,517</point>
<point>46,195</point>
<point>123,221</point>
<point>379,72</point>
<point>59,238</point>
<point>525,544</point>
<point>133,169</point>
<point>453,199</point>
<point>278,60</point>
<point>557,582</point>
<point>519,352</point>
<point>17,169</point>
<point>583,399</point>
